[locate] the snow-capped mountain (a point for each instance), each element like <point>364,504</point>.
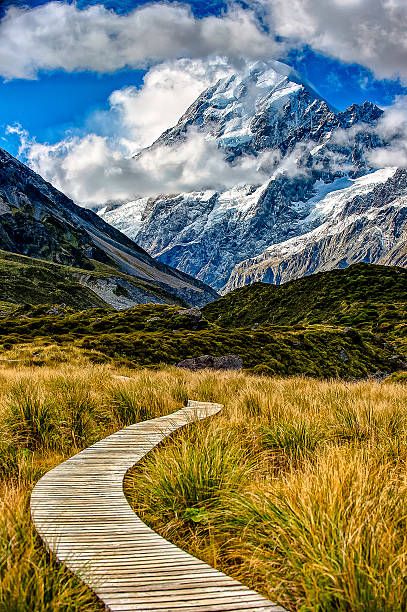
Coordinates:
<point>268,108</point>
<point>319,184</point>
<point>364,222</point>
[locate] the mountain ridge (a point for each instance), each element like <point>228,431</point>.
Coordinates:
<point>217,235</point>
<point>39,221</point>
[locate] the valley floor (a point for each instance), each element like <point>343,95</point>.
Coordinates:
<point>298,489</point>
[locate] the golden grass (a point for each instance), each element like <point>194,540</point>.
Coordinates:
<point>298,488</point>
<point>46,415</point>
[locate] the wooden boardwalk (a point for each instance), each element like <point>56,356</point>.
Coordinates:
<point>82,515</point>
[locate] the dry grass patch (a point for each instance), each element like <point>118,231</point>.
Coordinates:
<point>298,489</point>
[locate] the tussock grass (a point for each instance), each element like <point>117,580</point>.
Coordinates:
<point>141,399</point>
<point>187,489</point>
<point>298,488</point>
<point>333,534</point>
<point>29,416</point>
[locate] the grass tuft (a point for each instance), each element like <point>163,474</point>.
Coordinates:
<point>29,416</point>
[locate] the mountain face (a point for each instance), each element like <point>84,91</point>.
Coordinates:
<point>39,221</point>
<point>321,192</point>
<point>366,222</point>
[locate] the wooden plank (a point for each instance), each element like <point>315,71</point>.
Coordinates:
<point>80,512</point>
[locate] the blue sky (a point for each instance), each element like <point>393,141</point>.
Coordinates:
<point>86,84</point>
<point>58,102</point>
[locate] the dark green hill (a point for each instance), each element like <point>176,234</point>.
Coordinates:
<point>348,324</point>
<point>363,295</point>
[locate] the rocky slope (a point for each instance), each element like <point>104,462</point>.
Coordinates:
<point>318,163</point>
<point>38,221</point>
<point>366,222</point>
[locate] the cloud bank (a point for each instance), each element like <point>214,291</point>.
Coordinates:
<point>61,36</point>
<point>57,35</point>
<point>98,166</point>
<point>392,128</point>
<point>368,32</point>
<point>92,172</point>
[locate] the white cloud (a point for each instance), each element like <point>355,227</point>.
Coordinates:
<point>95,168</point>
<point>369,32</point>
<point>57,35</point>
<point>92,171</point>
<point>392,128</point>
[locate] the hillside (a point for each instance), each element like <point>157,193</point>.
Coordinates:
<point>347,324</point>
<point>39,221</point>
<point>26,281</point>
<point>363,295</point>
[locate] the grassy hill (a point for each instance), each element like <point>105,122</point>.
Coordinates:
<point>347,324</point>
<point>364,295</point>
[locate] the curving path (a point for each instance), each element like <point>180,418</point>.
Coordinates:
<point>82,515</point>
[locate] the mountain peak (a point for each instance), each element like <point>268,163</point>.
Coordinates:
<point>264,106</point>
<point>320,183</point>
<point>367,112</point>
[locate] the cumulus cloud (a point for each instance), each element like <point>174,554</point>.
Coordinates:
<point>96,169</point>
<point>168,90</point>
<point>57,35</point>
<point>92,171</point>
<point>369,32</point>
